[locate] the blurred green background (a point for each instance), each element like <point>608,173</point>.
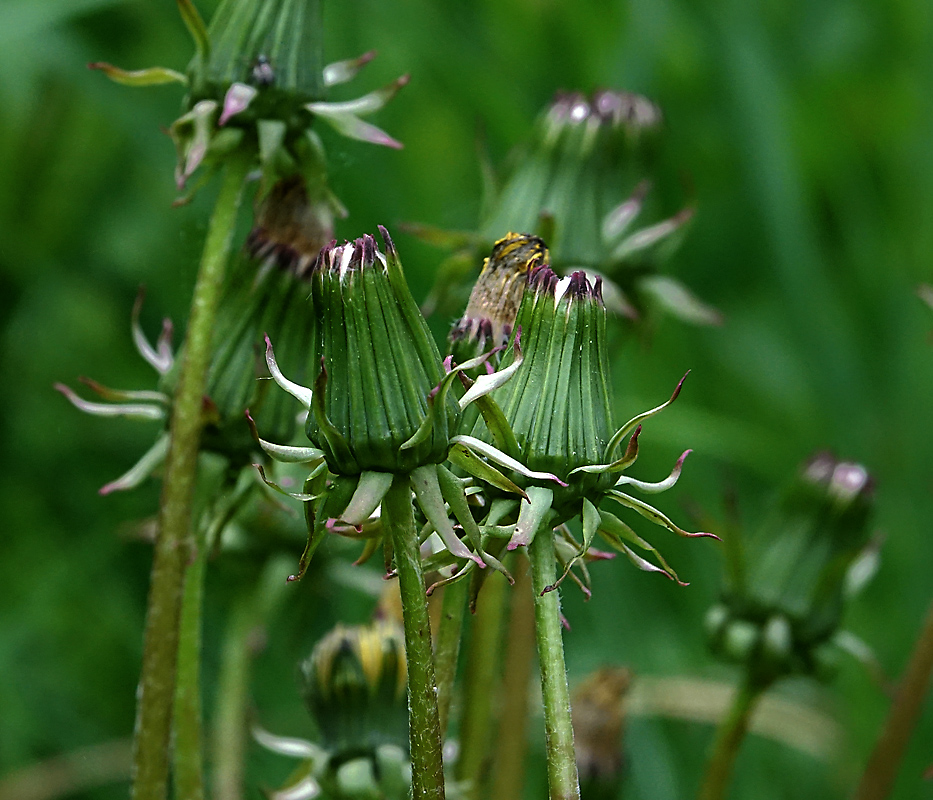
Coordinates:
<point>801,131</point>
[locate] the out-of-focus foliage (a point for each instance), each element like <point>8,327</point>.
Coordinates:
<point>801,130</point>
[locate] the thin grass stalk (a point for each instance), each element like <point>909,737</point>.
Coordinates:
<point>507,779</point>
<point>156,691</point>
<point>883,764</point>
<point>483,660</point>
<point>243,637</point>
<point>447,652</point>
<point>424,730</point>
<point>563,780</point>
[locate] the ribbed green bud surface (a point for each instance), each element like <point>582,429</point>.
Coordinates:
<point>380,366</point>
<point>275,46</point>
<point>583,150</point>
<point>354,686</point>
<point>558,401</point>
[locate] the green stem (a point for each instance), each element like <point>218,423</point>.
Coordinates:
<point>424,730</point>
<point>563,781</point>
<point>244,635</point>
<point>881,771</point>
<point>732,730</point>
<point>508,770</point>
<point>448,646</point>
<point>187,746</point>
<point>477,725</point>
<point>157,681</point>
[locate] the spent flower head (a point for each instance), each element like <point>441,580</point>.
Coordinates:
<point>554,417</point>
<point>257,84</point>
<point>781,609</point>
<point>579,182</point>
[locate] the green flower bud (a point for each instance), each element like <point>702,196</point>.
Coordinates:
<point>581,151</point>
<point>274,46</point>
<point>256,85</point>
<point>267,293</point>
<point>380,366</point>
<point>558,402</point>
<point>797,571</point>
<point>354,686</point>
<point>798,563</point>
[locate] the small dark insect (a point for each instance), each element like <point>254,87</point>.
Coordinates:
<point>262,72</point>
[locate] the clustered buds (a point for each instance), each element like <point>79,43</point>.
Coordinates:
<point>781,616</point>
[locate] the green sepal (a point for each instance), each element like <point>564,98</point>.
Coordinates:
<point>322,509</point>
<point>367,497</point>
<point>196,27</point>
<point>424,482</point>
<point>651,513</point>
<point>437,398</point>
<point>452,491</point>
<point>591,522</point>
<point>634,422</point>
<point>620,465</point>
<point>303,496</point>
<point>496,423</point>
<point>283,453</point>
<point>153,76</point>
<point>616,533</point>
<point>531,516</point>
<point>463,458</point>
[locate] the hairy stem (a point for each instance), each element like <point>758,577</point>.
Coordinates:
<point>563,781</point>
<point>881,771</point>
<point>187,747</point>
<point>157,682</point>
<point>731,732</point>
<point>424,730</point>
<point>448,646</point>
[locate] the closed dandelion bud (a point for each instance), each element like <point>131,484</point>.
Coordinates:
<point>582,149</point>
<point>354,686</point>
<point>799,563</point>
<point>273,46</point>
<point>558,402</point>
<point>267,292</point>
<point>581,183</point>
<point>799,570</point>
<point>256,85</point>
<point>380,366</point>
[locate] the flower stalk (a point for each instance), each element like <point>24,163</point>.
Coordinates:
<point>157,682</point>
<point>563,781</point>
<point>731,732</point>
<point>448,647</point>
<point>427,764</point>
